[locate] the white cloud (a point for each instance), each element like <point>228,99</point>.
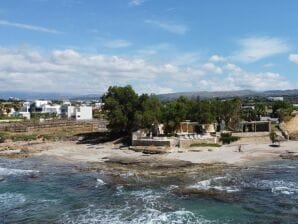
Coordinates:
<point>119,43</point>
<point>136,2</point>
<point>68,70</point>
<point>28,27</point>
<point>212,68</point>
<point>170,27</point>
<point>293,58</point>
<point>233,68</point>
<point>216,58</point>
<point>269,65</point>
<point>256,48</point>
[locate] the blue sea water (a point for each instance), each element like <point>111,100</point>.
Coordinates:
<point>44,191</point>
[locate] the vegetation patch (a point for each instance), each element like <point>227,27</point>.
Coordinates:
<point>227,138</point>
<point>3,136</point>
<point>24,137</point>
<point>205,145</point>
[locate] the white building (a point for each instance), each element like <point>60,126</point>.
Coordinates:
<point>40,103</point>
<point>76,112</point>
<point>276,98</point>
<point>52,109</point>
<point>24,111</point>
<point>83,113</point>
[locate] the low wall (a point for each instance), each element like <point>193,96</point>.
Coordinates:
<point>250,134</point>
<point>151,142</point>
<point>29,126</point>
<point>185,143</point>
<point>253,137</point>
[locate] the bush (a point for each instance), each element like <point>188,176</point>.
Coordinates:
<point>2,137</point>
<point>227,138</point>
<point>24,137</point>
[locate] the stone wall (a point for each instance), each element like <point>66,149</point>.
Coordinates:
<point>153,142</point>
<point>31,126</point>
<point>185,143</point>
<point>250,134</point>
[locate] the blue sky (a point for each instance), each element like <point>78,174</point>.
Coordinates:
<point>158,46</point>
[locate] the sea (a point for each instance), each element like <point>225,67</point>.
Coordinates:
<point>43,190</point>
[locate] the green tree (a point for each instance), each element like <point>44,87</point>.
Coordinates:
<point>120,107</point>
<point>282,109</point>
<point>229,111</point>
<point>175,112</point>
<point>149,111</point>
<point>260,109</point>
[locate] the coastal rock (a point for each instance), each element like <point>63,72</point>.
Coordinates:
<point>2,178</point>
<point>289,155</point>
<point>209,193</point>
<point>152,162</point>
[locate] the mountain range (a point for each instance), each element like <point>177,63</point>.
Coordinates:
<point>228,94</point>
<point>164,97</point>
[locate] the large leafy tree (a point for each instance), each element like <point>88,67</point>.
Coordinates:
<point>120,107</point>
<point>149,111</point>
<point>282,109</point>
<point>174,112</point>
<point>229,111</point>
<point>204,111</point>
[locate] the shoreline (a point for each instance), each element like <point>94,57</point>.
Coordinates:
<point>71,151</point>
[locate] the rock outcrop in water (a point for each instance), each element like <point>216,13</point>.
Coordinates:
<point>290,155</point>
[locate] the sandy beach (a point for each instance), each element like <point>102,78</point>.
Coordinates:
<point>72,151</point>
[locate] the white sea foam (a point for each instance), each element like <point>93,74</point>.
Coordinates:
<point>15,172</point>
<point>214,184</point>
<point>125,215</point>
<point>99,182</point>
<point>279,186</point>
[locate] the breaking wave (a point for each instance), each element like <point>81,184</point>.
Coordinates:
<point>16,172</point>
<point>214,184</point>
<point>278,186</point>
<point>126,215</point>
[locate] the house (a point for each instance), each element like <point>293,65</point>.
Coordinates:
<point>76,112</point>
<point>51,109</point>
<point>275,98</point>
<point>24,111</point>
<point>83,113</point>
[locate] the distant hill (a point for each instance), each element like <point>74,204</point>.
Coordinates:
<point>87,97</point>
<point>164,97</point>
<point>227,94</point>
<point>47,96</point>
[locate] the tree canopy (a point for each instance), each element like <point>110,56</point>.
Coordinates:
<point>128,111</point>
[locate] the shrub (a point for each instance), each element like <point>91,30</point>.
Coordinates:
<point>24,137</point>
<point>273,136</point>
<point>227,138</point>
<point>2,137</point>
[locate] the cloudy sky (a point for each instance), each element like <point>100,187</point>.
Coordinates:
<point>158,46</point>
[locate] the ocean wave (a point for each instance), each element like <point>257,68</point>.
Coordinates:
<point>278,186</point>
<point>214,184</point>
<point>16,172</point>
<point>125,215</point>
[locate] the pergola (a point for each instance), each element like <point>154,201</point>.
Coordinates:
<point>255,126</point>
